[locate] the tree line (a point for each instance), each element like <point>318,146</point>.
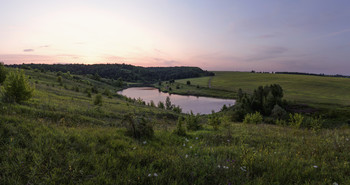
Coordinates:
<point>126,72</point>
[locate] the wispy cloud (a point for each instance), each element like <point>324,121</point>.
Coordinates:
<point>44,46</point>
<point>28,50</point>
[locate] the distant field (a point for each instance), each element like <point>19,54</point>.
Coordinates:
<point>301,88</point>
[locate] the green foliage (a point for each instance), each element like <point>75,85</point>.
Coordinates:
<point>278,112</point>
<point>3,73</point>
<point>107,92</point>
<point>119,82</point>
<point>98,100</point>
<point>161,105</point>
<point>59,79</point>
<point>177,109</point>
<point>152,103</point>
<point>168,105</point>
<point>180,129</point>
<point>281,122</point>
<point>214,120</point>
<point>315,123</point>
<point>137,127</point>
<point>17,87</point>
<point>192,121</point>
<point>253,118</point>
<point>296,120</point>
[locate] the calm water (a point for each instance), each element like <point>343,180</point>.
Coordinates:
<point>201,105</point>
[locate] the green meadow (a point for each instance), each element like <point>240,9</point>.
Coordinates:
<point>60,137</point>
<point>300,88</point>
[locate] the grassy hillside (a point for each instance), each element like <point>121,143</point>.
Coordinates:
<point>60,137</point>
<point>300,88</point>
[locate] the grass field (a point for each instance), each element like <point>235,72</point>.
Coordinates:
<point>300,88</point>
<point>60,137</point>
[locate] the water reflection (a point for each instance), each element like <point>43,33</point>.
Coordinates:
<point>201,105</point>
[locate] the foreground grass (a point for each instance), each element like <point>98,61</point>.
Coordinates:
<point>38,153</point>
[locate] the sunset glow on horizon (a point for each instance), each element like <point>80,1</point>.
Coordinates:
<point>303,36</point>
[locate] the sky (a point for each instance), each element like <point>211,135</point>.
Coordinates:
<point>217,35</point>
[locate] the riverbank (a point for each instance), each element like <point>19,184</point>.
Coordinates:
<point>195,90</point>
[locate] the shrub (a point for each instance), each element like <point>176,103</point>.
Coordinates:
<point>214,120</point>
<point>161,105</point>
<point>98,100</point>
<point>168,104</point>
<point>180,130</point>
<point>137,127</point>
<point>295,120</point>
<point>59,79</point>
<point>281,122</point>
<point>278,112</point>
<point>177,109</point>
<point>192,122</point>
<point>315,123</point>
<point>17,87</point>
<point>253,118</point>
<point>188,82</point>
<point>3,72</point>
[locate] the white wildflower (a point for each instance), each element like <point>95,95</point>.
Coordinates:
<point>186,155</point>
<point>196,137</point>
<point>335,183</point>
<point>243,168</point>
<point>134,148</point>
<point>149,175</point>
<point>315,166</point>
<point>144,142</point>
<point>184,144</point>
<point>155,174</point>
<point>219,166</point>
<point>190,146</point>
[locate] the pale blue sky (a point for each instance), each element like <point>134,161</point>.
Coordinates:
<point>269,35</point>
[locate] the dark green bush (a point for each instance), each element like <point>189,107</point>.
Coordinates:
<point>137,127</point>
<point>192,122</point>
<point>17,87</point>
<point>180,130</point>
<point>98,100</point>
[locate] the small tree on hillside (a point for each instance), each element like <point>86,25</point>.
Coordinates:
<point>3,72</point>
<point>17,87</point>
<point>98,100</point>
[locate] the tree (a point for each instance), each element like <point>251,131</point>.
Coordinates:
<point>188,82</point>
<point>17,87</point>
<point>168,105</point>
<point>98,100</point>
<point>3,72</point>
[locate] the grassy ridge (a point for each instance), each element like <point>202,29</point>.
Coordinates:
<point>60,137</point>
<point>300,88</point>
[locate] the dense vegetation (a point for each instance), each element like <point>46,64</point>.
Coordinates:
<point>126,72</point>
<point>77,130</point>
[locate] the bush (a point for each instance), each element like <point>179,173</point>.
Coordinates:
<point>188,82</point>
<point>278,112</point>
<point>3,72</point>
<point>177,109</point>
<point>214,120</point>
<point>281,122</point>
<point>137,127</point>
<point>98,100</point>
<point>295,120</point>
<point>253,118</point>
<point>161,105</point>
<point>192,122</point>
<point>180,130</point>
<point>17,87</point>
<point>315,123</point>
